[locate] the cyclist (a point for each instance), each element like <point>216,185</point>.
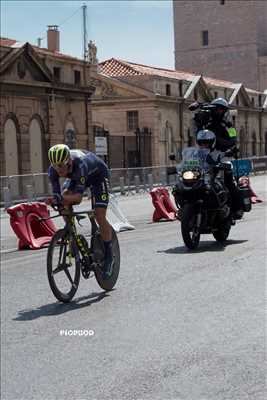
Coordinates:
<point>82,170</point>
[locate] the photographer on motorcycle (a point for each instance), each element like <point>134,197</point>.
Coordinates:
<point>215,117</point>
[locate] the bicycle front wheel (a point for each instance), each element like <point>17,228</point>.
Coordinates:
<point>63,270</point>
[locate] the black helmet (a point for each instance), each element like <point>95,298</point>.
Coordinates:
<point>206,137</point>
<point>220,102</point>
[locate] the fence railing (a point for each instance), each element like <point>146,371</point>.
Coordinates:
<point>33,187</point>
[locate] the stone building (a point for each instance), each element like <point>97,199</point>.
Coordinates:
<point>145,111</point>
<point>45,99</point>
<point>48,97</point>
<point>222,38</point>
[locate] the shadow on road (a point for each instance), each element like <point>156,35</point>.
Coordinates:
<point>204,246</point>
<point>60,308</point>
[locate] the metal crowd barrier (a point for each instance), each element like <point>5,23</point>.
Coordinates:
<point>128,181</point>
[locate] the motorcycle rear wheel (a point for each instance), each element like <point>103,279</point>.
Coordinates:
<point>98,249</point>
<point>190,233</point>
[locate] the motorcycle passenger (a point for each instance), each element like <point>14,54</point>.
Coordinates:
<point>221,125</point>
<point>215,117</point>
<point>82,171</point>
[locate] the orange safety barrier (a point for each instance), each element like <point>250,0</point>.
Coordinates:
<point>24,220</point>
<point>244,181</point>
<point>164,208</point>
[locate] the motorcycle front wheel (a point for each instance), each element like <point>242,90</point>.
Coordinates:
<point>223,230</point>
<point>190,232</point>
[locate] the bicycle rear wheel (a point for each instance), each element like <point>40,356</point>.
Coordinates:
<point>63,270</point>
<point>99,252</point>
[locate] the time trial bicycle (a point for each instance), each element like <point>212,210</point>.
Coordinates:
<point>69,254</point>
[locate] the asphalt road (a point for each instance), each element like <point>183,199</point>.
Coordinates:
<point>179,325</point>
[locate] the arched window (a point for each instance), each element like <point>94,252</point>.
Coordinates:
<point>11,148</point>
<point>242,142</point>
<point>70,135</point>
<point>190,138</point>
<point>170,144</point>
<point>36,145</point>
<point>254,144</point>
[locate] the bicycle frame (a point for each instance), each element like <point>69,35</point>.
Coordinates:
<point>70,226</point>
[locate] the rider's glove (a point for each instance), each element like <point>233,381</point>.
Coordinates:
<point>57,200</point>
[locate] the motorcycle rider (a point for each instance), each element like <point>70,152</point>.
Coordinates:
<point>215,117</point>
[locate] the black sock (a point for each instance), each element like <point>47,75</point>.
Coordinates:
<point>108,248</point>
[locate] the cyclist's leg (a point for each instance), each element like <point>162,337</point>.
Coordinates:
<point>101,198</point>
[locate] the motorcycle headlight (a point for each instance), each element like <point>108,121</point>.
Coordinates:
<point>189,175</point>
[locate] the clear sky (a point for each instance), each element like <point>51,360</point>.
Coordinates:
<point>135,30</point>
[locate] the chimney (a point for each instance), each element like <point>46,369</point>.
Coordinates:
<point>53,38</point>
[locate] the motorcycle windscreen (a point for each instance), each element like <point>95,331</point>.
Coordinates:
<point>193,157</point>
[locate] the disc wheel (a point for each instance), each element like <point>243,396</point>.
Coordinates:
<point>99,254</point>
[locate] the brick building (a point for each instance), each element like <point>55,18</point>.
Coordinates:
<point>45,99</point>
<point>222,38</point>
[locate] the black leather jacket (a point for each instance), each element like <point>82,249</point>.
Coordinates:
<point>206,119</point>
<point>223,141</point>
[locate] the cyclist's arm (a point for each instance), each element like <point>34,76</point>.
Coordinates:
<point>71,198</point>
<point>56,189</point>
<point>73,193</point>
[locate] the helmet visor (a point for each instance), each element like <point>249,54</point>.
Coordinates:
<point>204,142</point>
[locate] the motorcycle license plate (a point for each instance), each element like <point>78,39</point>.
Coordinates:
<point>191,164</point>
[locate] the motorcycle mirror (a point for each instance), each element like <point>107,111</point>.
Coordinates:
<point>172,157</point>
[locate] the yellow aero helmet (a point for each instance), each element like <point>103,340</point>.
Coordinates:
<point>59,154</point>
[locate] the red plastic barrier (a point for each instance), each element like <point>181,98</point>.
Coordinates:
<point>30,231</point>
<point>244,181</point>
<point>164,208</point>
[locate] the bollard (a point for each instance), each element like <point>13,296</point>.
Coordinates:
<point>122,185</point>
<point>7,197</point>
<point>150,181</point>
<point>137,183</point>
<point>29,190</point>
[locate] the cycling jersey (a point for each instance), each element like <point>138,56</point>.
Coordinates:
<point>88,171</point>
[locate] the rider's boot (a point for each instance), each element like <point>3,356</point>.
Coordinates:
<point>109,261</point>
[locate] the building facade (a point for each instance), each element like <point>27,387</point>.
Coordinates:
<point>45,99</point>
<point>145,109</point>
<point>222,38</point>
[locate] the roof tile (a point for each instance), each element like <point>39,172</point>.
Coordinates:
<point>116,67</point>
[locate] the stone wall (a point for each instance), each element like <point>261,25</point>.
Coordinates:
<point>236,32</point>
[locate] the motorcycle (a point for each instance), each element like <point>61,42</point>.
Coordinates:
<point>202,198</point>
